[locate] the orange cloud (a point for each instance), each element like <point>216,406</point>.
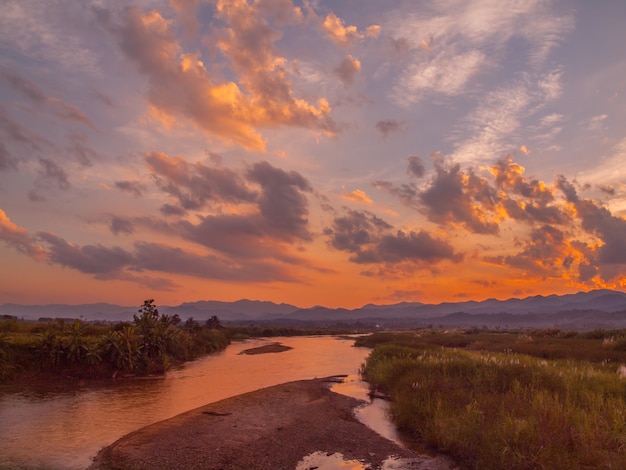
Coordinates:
<point>343,35</point>
<point>357,196</point>
<point>19,238</point>
<point>181,85</point>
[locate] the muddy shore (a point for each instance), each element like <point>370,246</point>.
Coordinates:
<point>273,428</point>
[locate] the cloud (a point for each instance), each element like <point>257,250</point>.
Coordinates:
<point>159,257</point>
<point>135,188</point>
<point>57,106</point>
<point>389,126</point>
<point>187,11</point>
<point>282,204</point>
<point>15,137</point>
<point>180,86</point>
<point>462,39</point>
<point>196,186</point>
<point>88,259</point>
<point>460,197</point>
<point>497,120</point>
<point>524,199</point>
<point>272,200</point>
<point>121,225</point>
<point>19,238</point>
<point>415,167</point>
<point>342,35</point>
<point>83,153</point>
<point>116,263</point>
<point>546,252</point>
<point>252,213</point>
<point>347,70</point>
<point>408,194</point>
<point>7,160</point>
<point>370,240</point>
<point>357,196</point>
<point>599,221</point>
<point>51,175</point>
<point>447,73</point>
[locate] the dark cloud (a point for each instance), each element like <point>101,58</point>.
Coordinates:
<point>544,253</point>
<point>169,209</point>
<point>78,148</point>
<point>457,197</point>
<point>196,185</point>
<point>88,259</point>
<point>24,86</point>
<point>347,70</point>
<point>132,187</point>
<point>51,174</point>
<point>121,225</point>
<point>278,196</point>
<point>407,193</point>
<point>370,239</point>
<point>158,257</point>
<point>57,106</point>
<point>608,189</point>
<point>7,160</point>
<point>356,230</point>
<point>415,167</point>
<point>400,45</point>
<point>410,246</point>
<point>390,126</point>
<point>282,203</point>
<point>527,200</point>
<point>15,137</point>
<point>116,263</point>
<point>600,222</point>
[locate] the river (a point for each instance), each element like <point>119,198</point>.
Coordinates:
<point>62,427</point>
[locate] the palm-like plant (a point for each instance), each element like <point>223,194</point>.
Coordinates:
<point>49,349</point>
<point>123,348</point>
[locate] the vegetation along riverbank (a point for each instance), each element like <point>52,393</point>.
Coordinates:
<point>515,400</point>
<point>149,344</point>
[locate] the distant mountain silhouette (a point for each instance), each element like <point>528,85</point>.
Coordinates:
<point>584,310</point>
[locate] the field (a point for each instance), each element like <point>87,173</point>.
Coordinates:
<point>506,399</point>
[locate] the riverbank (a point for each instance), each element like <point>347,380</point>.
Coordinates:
<point>272,428</point>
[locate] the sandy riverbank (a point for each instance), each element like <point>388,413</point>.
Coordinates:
<point>273,428</point>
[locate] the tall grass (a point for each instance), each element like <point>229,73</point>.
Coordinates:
<point>497,410</point>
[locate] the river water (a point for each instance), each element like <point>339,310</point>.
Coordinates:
<point>63,426</point>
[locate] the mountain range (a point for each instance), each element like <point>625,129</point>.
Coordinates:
<point>584,310</point>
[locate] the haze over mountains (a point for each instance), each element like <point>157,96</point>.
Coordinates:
<point>584,310</point>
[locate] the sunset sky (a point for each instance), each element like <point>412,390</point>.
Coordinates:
<point>315,152</point>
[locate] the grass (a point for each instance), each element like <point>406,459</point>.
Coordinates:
<point>505,409</point>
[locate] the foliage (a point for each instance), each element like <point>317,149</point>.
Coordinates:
<point>148,345</point>
<point>503,409</point>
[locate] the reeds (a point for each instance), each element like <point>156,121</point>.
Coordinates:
<point>493,410</point>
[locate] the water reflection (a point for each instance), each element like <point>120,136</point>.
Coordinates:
<point>63,426</point>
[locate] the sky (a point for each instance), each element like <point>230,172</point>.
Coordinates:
<point>317,152</point>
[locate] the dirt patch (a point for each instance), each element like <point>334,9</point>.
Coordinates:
<point>268,348</point>
<point>272,428</point>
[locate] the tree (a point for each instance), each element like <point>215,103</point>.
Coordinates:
<point>213,323</point>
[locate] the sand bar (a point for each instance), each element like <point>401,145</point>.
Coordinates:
<point>273,428</point>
